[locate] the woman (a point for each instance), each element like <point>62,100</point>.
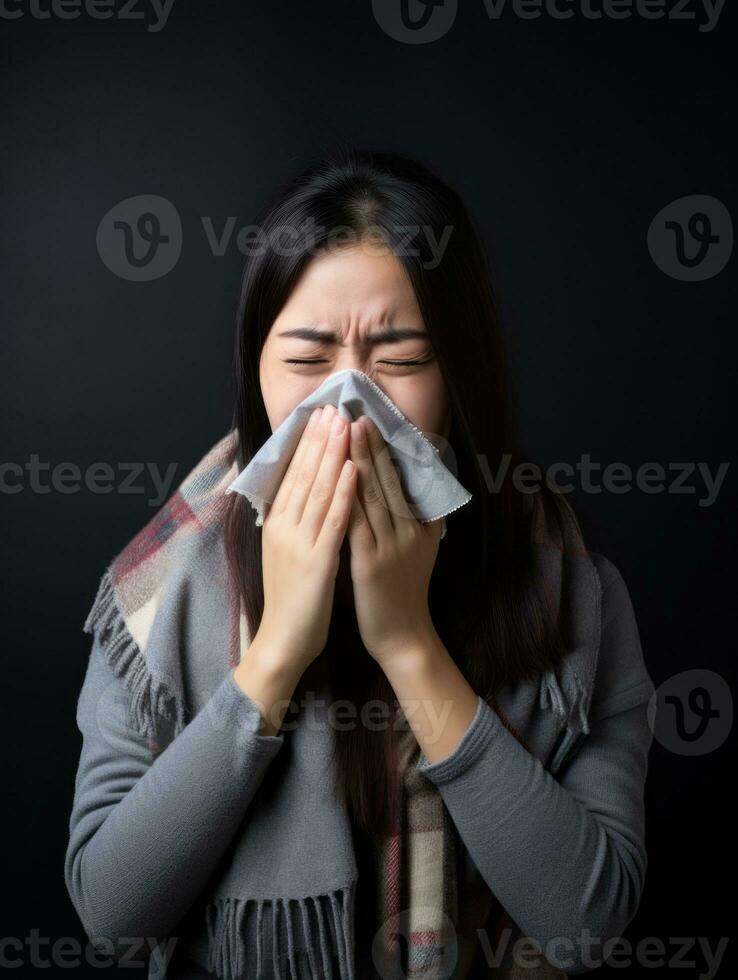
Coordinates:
<point>201,811</point>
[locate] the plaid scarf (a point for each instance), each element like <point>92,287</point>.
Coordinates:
<point>416,877</point>
<point>417,865</point>
<point>423,895</point>
<point>136,582</point>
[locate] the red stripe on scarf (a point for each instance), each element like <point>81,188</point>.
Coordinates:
<point>176,513</point>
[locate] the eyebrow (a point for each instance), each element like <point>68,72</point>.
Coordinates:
<point>388,335</point>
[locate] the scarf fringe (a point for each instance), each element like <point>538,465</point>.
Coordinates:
<point>151,699</point>
<point>227,926</point>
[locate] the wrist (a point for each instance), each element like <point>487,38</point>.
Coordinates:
<point>263,669</point>
<point>272,660</point>
<point>417,653</point>
<point>269,679</point>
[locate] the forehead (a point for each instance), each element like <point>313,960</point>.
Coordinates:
<point>357,285</point>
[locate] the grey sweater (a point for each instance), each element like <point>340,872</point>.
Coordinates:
<point>564,854</point>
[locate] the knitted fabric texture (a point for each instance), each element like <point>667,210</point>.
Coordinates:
<point>131,593</point>
<point>417,893</point>
<point>267,907</point>
<point>427,917</point>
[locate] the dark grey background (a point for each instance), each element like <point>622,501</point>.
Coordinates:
<point>564,137</point>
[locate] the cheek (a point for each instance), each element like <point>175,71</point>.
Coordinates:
<point>281,390</point>
<point>421,399</point>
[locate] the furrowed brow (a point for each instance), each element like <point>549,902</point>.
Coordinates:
<point>388,335</point>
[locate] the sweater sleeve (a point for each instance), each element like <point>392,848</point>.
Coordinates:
<point>565,856</point>
<point>146,832</point>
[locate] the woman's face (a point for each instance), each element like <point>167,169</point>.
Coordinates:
<point>340,315</point>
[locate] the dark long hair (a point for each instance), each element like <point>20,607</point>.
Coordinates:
<point>484,600</point>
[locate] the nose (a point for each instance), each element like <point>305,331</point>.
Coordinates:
<point>354,360</point>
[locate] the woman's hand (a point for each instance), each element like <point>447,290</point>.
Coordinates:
<point>392,553</point>
<point>301,540</point>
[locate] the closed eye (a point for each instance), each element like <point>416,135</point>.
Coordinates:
<point>400,364</point>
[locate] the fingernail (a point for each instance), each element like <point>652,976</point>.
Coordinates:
<point>337,425</point>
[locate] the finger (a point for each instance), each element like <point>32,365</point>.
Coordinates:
<point>323,489</point>
<point>388,476</point>
<point>369,488</point>
<point>308,466</point>
<point>285,487</point>
<point>360,534</point>
<point>337,519</point>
